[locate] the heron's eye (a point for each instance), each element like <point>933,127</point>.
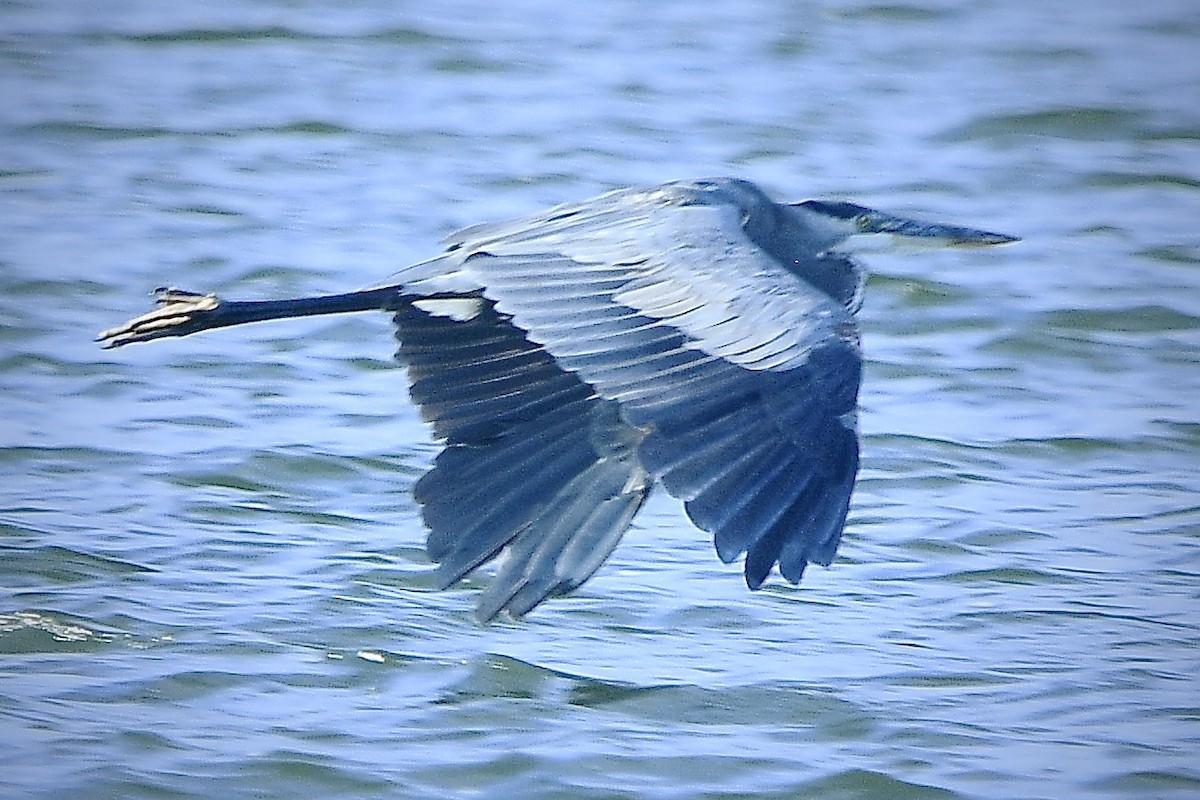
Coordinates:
<point>863,222</point>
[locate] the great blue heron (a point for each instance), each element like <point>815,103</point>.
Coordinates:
<point>696,334</point>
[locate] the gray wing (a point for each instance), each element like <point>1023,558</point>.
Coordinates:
<point>743,378</point>
<point>536,466</point>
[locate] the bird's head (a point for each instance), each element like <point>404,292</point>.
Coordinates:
<point>848,227</point>
<point>818,236</point>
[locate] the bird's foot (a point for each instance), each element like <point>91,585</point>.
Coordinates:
<point>177,313</point>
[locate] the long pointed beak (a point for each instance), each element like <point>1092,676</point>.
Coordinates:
<point>928,234</point>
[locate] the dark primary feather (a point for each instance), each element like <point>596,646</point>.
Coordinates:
<point>534,460</point>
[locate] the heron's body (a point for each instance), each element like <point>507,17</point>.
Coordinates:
<point>695,334</point>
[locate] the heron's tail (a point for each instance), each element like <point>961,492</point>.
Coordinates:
<point>180,313</point>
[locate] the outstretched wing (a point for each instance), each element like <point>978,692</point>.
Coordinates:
<point>536,466</point>
<point>743,377</point>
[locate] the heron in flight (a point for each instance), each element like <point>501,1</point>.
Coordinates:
<point>697,335</point>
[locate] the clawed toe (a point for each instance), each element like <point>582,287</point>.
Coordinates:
<point>174,315</point>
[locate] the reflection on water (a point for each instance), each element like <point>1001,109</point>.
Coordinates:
<point>213,576</point>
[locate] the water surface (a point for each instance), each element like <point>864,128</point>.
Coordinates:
<point>212,581</point>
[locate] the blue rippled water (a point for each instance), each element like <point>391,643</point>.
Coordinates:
<point>212,581</point>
